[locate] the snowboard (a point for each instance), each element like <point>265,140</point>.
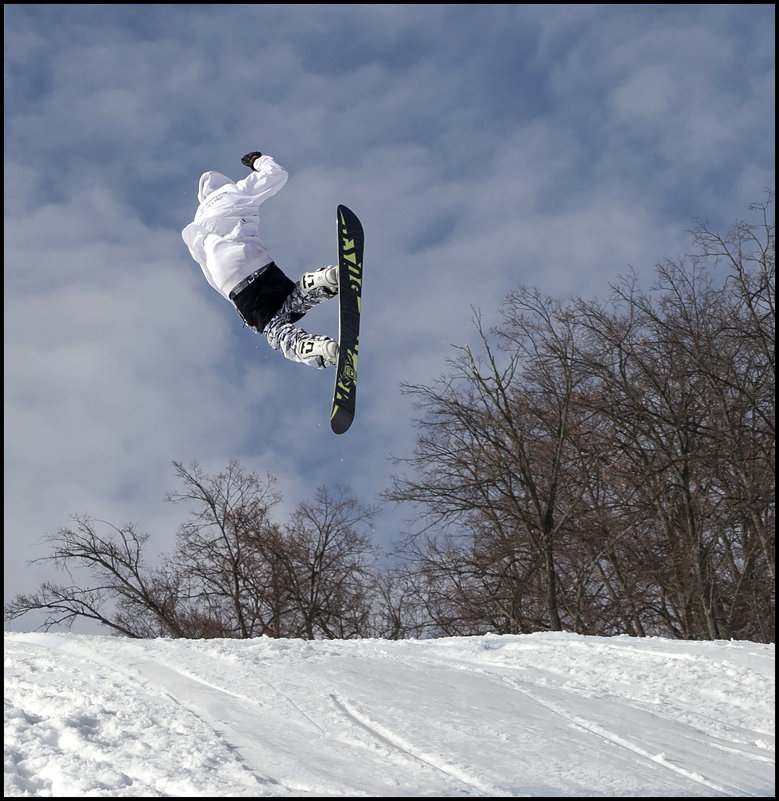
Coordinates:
<point>350,248</point>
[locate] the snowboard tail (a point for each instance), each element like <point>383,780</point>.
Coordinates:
<point>351,241</point>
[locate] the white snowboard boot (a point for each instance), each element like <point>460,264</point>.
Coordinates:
<point>327,278</point>
<point>324,349</point>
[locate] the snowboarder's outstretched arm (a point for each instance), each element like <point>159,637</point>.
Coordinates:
<point>265,179</point>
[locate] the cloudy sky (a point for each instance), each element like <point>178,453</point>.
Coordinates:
<point>483,146</point>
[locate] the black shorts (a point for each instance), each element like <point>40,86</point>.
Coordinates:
<point>261,295</point>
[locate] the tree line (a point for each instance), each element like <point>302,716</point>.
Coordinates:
<point>600,467</point>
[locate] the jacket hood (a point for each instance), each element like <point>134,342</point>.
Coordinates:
<point>209,183</point>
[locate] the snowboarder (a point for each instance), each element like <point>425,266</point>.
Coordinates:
<point>224,240</point>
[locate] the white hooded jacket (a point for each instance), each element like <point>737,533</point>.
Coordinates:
<point>224,236</point>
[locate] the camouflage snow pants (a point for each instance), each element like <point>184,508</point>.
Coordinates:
<point>283,335</point>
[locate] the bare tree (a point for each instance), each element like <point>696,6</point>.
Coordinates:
<point>225,550</point>
<point>492,470</point>
<point>686,382</point>
<point>234,571</point>
<point>614,470</point>
<point>124,594</point>
<point>330,561</point>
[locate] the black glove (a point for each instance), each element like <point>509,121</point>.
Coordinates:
<point>249,159</point>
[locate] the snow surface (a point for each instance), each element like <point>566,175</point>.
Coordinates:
<point>548,714</point>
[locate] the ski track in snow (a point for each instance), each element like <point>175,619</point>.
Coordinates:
<point>355,726</point>
<point>410,752</point>
<point>598,730</point>
<point>612,737</point>
<point>171,681</point>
